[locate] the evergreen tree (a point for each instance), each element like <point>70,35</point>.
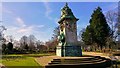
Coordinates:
<point>10,46</point>
<point>98,30</point>
<point>87,36</point>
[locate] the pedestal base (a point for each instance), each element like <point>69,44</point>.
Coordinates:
<point>72,51</point>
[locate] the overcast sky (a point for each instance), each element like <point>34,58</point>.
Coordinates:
<point>40,18</point>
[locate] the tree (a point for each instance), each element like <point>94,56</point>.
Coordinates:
<point>3,48</point>
<point>87,36</point>
<point>40,45</point>
<point>31,42</point>
<point>98,30</point>
<point>11,39</point>
<point>118,20</point>
<point>112,19</point>
<point>54,41</point>
<point>24,42</point>
<point>10,46</point>
<point>2,39</point>
<point>56,33</point>
<point>2,29</point>
<point>26,47</point>
<point>80,34</point>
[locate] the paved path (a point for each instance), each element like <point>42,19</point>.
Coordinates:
<point>106,55</point>
<point>45,59</point>
<point>97,54</point>
<point>2,66</point>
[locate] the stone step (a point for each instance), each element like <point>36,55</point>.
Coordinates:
<point>90,61</point>
<point>74,62</point>
<point>96,62</point>
<point>98,65</point>
<point>76,59</point>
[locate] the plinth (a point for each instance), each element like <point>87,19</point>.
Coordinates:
<point>70,51</point>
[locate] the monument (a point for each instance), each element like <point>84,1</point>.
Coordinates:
<point>68,45</point>
<point>68,48</point>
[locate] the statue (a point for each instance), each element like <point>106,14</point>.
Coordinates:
<point>61,38</point>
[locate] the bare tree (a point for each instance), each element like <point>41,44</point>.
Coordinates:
<point>2,39</point>
<point>23,42</point>
<point>40,45</point>
<point>2,29</point>
<point>56,33</point>
<point>118,21</point>
<point>31,42</point>
<point>112,17</point>
<point>11,38</point>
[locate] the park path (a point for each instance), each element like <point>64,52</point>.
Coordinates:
<point>47,59</point>
<point>2,66</point>
<point>106,55</point>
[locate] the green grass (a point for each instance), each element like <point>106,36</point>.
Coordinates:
<point>16,61</point>
<point>21,60</point>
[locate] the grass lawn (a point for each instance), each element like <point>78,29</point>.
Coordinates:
<point>24,62</point>
<point>21,60</point>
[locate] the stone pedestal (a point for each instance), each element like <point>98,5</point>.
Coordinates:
<point>67,45</point>
<point>69,51</point>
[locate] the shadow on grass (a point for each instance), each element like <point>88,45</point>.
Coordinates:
<point>13,57</point>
